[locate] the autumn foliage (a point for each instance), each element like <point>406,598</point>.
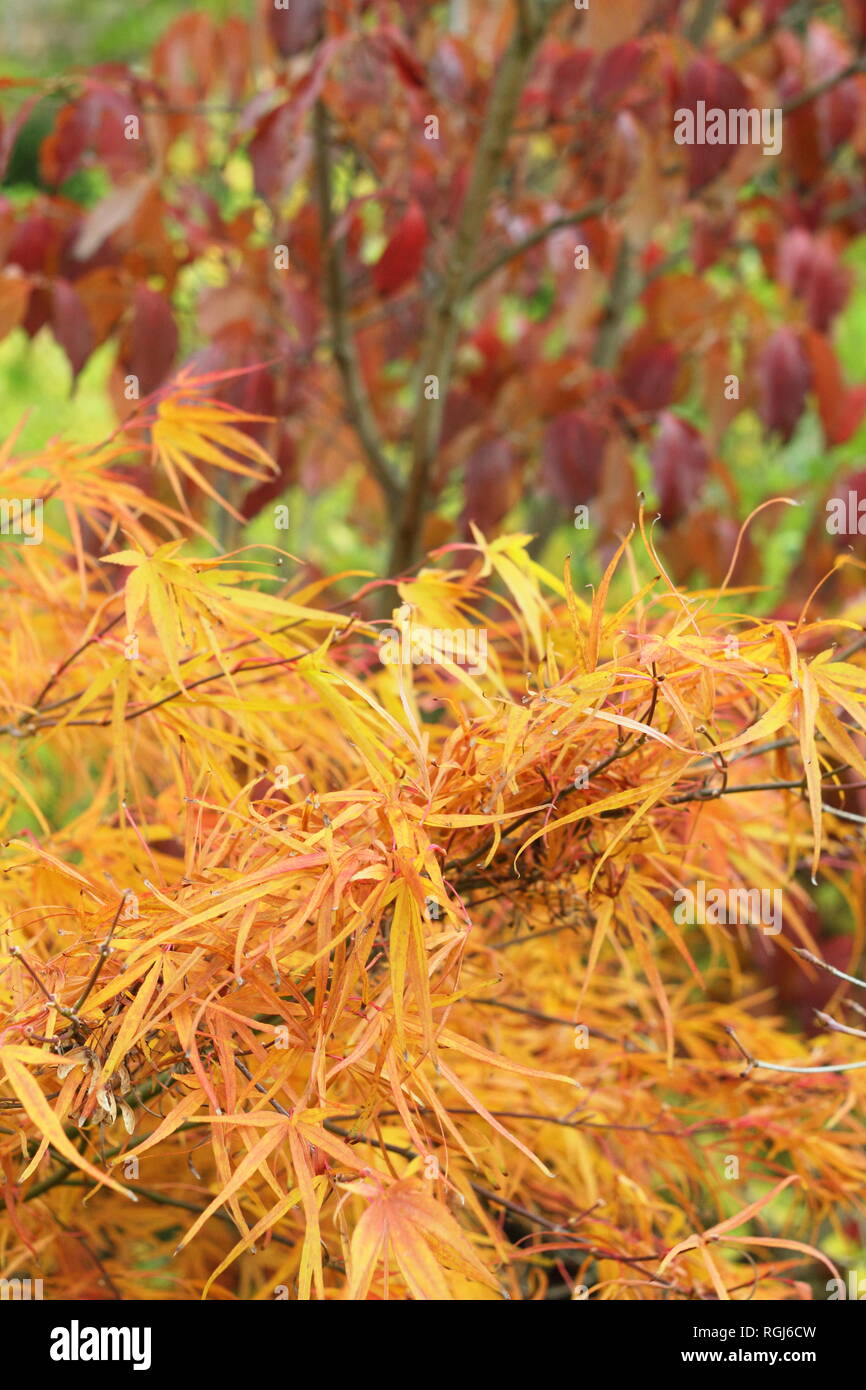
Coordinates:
<point>434,188</point>
<point>336,965</point>
<point>357,965</point>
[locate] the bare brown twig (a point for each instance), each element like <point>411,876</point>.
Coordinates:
<point>359,409</point>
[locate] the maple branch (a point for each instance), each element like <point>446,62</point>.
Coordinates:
<point>834,1027</point>
<point>101,957</point>
<point>793,15</point>
<point>624,748</point>
<point>857,645</point>
<point>565,1122</point>
<point>622,287</point>
<point>480,1191</point>
<point>147,1194</point>
<point>542,1017</point>
<point>827,85</point>
<point>831,969</point>
<point>64,665</point>
<point>571,219</point>
<point>240,669</point>
<point>534,1219</point>
<point>440,336</point>
<point>780,1066</point>
<point>184,661</point>
<point>705,793</point>
<point>359,409</point>
<point>843,815</point>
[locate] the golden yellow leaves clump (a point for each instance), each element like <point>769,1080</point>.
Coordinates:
<point>371,964</point>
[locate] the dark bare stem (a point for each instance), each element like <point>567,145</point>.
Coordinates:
<point>102,956</point>
<point>64,665</point>
<point>540,234</point>
<point>622,289</point>
<point>827,85</point>
<point>359,409</point>
<point>857,645</point>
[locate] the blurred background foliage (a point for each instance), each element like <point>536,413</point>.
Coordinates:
<point>59,37</point>
<point>56,35</point>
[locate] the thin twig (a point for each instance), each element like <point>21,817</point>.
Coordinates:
<point>359,408</point>
<point>441,330</point>
<point>752,1062</point>
<point>831,969</point>
<point>540,234</point>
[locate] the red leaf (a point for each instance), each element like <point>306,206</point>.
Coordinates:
<point>648,376</point>
<point>566,81</point>
<point>679,460</point>
<point>616,70</point>
<point>496,362</point>
<point>795,252</point>
<point>149,340</point>
<point>269,150</point>
<point>571,457</point>
<point>408,68</point>
<point>774,9</point>
<point>828,385</point>
<point>256,500</point>
<point>39,310</point>
<point>802,145</point>
<point>404,254</point>
<point>840,407</point>
<point>710,81</point>
<point>94,124</point>
<point>809,267</point>
<point>70,325</point>
<point>462,409</point>
<point>852,412</point>
<point>14,294</point>
<point>784,377</point>
<point>827,55</point>
<point>297,28</point>
<point>827,287</point>
<point>35,244</point>
<point>489,483</point>
<point>185,59</point>
<point>711,237</point>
